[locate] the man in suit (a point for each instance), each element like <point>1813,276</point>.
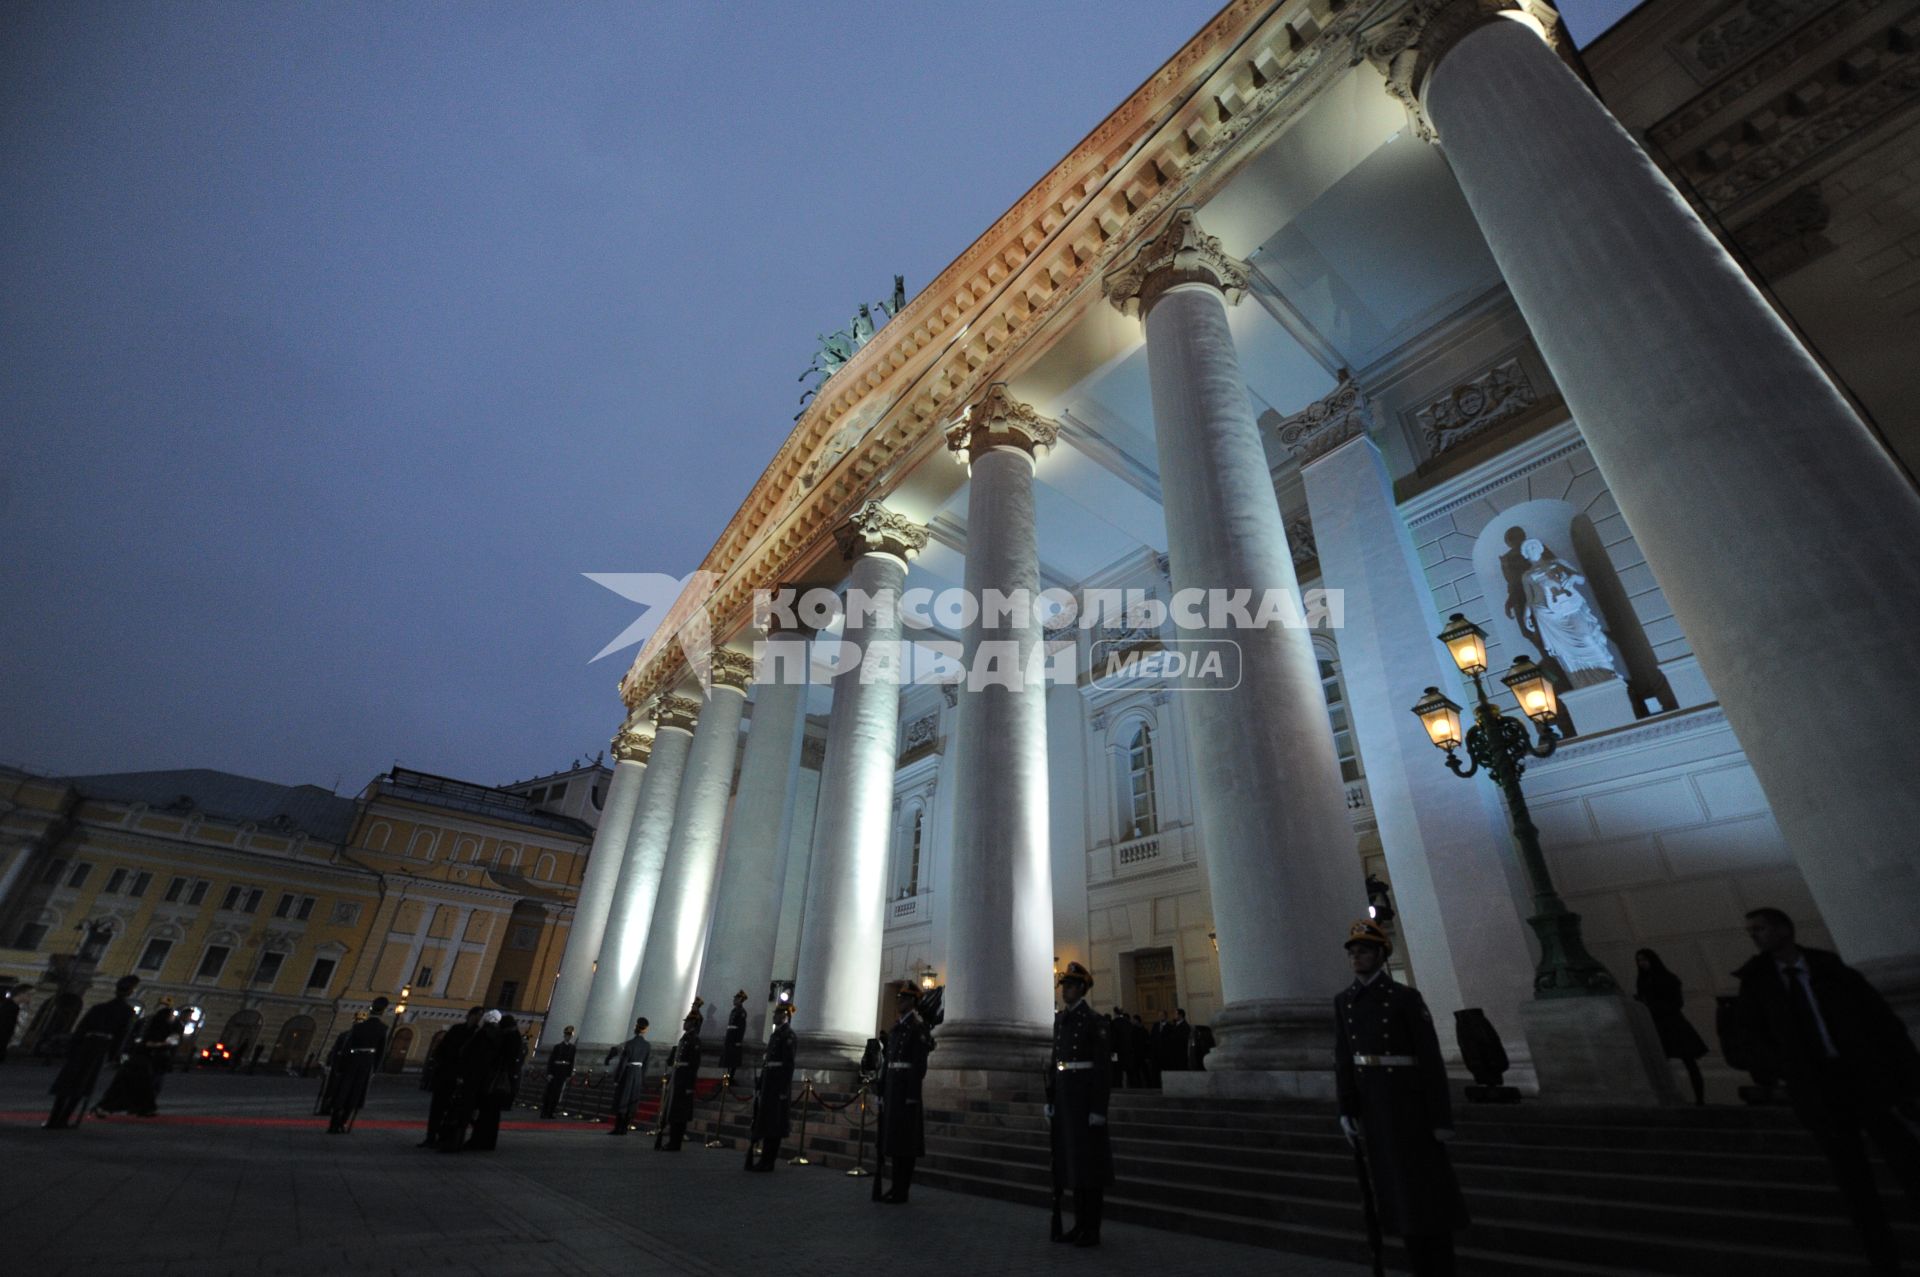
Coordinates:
<point>773,1096</point>
<point>630,1076</point>
<point>902,1136</point>
<point>1079,1081</point>
<point>559,1069</point>
<point>1849,1065</point>
<point>443,1071</point>
<point>95,1040</point>
<point>1394,1101</point>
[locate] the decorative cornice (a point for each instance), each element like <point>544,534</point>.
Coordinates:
<point>874,529</point>
<point>675,713</point>
<point>632,746</point>
<point>1181,253</point>
<point>1324,425</point>
<point>1001,421</point>
<point>1411,41</point>
<point>732,670</point>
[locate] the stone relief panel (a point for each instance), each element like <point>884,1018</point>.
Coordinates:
<point>1474,406</point>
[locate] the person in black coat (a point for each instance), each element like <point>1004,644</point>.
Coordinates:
<point>733,1046</point>
<point>1078,1083</point>
<point>1394,1100</point>
<point>684,1067</point>
<point>359,1053</point>
<point>443,1069</point>
<point>97,1038</point>
<point>488,1062</point>
<point>773,1094</point>
<point>559,1069</point>
<point>1658,989</point>
<point>1140,1071</point>
<point>1849,1065</point>
<point>1175,1043</point>
<point>902,1136</point>
<point>9,1019</point>
<point>630,1076</point>
<point>135,1087</point>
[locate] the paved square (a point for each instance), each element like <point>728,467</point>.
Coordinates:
<point>236,1177</point>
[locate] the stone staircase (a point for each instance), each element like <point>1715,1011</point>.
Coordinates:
<point>1552,1190</point>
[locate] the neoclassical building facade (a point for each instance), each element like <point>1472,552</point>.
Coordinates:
<point>1374,305</point>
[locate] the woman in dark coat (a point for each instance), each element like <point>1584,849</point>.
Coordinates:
<point>136,1086</point>
<point>485,1084</point>
<point>1658,989</point>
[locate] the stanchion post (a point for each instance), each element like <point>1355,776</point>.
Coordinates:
<point>800,1157</point>
<point>726,1081</point>
<point>860,1159</point>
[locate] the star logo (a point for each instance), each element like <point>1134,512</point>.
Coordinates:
<point>656,592</point>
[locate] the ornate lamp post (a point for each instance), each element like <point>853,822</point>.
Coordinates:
<point>1500,746</point>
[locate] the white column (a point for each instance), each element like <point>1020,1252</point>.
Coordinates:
<point>837,985</point>
<point>1447,850</point>
<point>754,871</point>
<point>684,906</point>
<point>1281,859</point>
<point>999,1000</point>
<point>568,1006</point>
<point>609,1017</point>
<point>1780,530</point>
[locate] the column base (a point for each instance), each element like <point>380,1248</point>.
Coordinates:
<point>1597,1050</point>
<point>995,1046</point>
<point>1249,1084</point>
<point>1283,1035</point>
<point>829,1053</point>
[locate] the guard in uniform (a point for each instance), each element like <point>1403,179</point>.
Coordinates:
<point>733,1047</point>
<point>96,1039</point>
<point>1079,1081</point>
<point>359,1055</point>
<point>902,1136</point>
<point>1394,1102</point>
<point>630,1076</point>
<point>773,1096</point>
<point>559,1069</point>
<point>685,1066</point>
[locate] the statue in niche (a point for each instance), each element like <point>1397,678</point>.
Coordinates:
<point>1547,598</point>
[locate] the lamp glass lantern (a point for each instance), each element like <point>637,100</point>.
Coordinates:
<point>1466,643</point>
<point>1441,718</point>
<point>1533,690</point>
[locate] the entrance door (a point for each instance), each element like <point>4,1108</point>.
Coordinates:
<point>1154,987</point>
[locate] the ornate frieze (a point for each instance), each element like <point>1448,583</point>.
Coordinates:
<point>675,713</point>
<point>1324,425</point>
<point>1001,421</point>
<point>919,736</point>
<point>874,529</point>
<point>1181,253</point>
<point>1740,29</point>
<point>632,746</point>
<point>1300,542</point>
<point>1787,235</point>
<point>1501,392</point>
<point>1411,40</point>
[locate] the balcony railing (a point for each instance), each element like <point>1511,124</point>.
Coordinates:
<point>1138,851</point>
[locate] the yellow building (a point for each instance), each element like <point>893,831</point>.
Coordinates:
<point>277,911</point>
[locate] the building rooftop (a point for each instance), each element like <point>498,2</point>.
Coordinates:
<point>461,795</point>
<point>306,809</point>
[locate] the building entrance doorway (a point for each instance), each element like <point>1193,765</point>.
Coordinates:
<point>1155,988</point>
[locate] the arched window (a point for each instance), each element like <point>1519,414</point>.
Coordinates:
<point>1138,815</point>
<point>544,870</point>
<point>1336,694</point>
<point>913,833</point>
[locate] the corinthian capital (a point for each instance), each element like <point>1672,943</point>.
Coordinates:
<point>1001,421</point>
<point>1325,424</point>
<point>1181,253</point>
<point>874,529</point>
<point>1407,43</point>
<point>677,713</point>
<point>732,670</point>
<point>632,746</point>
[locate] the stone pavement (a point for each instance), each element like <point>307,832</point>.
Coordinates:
<point>235,1177</point>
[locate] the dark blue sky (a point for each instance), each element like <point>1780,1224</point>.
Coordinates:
<point>337,340</point>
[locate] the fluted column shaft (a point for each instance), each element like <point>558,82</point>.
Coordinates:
<point>682,910</point>
<point>1781,532</point>
<point>610,1003</point>
<point>597,885</point>
<point>753,873</point>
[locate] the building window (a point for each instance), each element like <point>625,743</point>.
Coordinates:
<point>141,881</point>
<point>55,868</point>
<point>115,880</point>
<point>285,907</point>
<point>537,796</point>
<point>174,889</point>
<point>598,794</point>
<point>1138,817</point>
<point>155,955</point>
<point>30,936</point>
<point>907,877</point>
<point>78,877</point>
<point>523,936</point>
<point>269,969</point>
<point>425,976</point>
<point>199,892</point>
<point>305,910</point>
<point>232,898</point>
<point>213,962</point>
<point>321,976</point>
<point>253,900</point>
<point>509,990</point>
<point>557,793</point>
<point>1336,694</point>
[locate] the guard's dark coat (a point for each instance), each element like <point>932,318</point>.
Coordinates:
<point>96,1039</point>
<point>773,1095</point>
<point>630,1073</point>
<point>1082,1156</point>
<point>904,1065</point>
<point>560,1061</point>
<point>1399,1108</point>
<point>360,1049</point>
<point>733,1046</point>
<point>686,1071</point>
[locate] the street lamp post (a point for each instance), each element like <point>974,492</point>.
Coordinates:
<point>1500,746</point>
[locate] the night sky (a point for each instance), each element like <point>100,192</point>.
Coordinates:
<point>337,340</point>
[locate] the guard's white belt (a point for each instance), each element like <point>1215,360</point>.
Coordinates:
<point>1386,1061</point>
<point>1076,1065</point>
<point>774,1064</point>
<point>900,1066</point>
